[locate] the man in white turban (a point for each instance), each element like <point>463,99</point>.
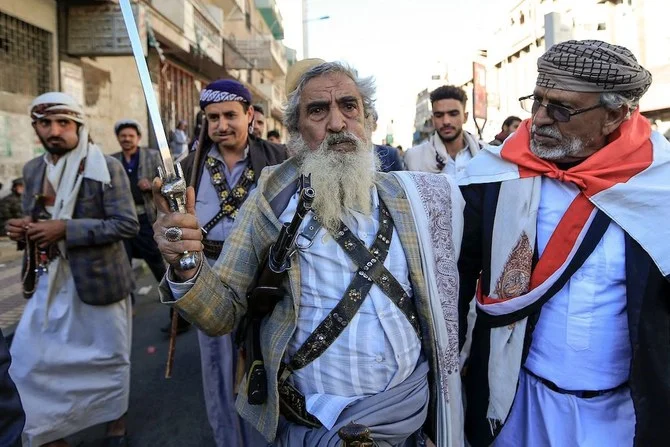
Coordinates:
<point>71,349</point>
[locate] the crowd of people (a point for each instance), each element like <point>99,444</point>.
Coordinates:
<point>511,293</point>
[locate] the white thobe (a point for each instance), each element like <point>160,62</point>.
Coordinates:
<point>70,362</point>
<point>580,342</point>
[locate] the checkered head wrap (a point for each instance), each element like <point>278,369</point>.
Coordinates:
<point>592,66</point>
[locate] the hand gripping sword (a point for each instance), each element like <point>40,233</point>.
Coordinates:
<point>174,184</point>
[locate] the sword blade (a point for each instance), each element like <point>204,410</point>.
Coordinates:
<point>147,88</point>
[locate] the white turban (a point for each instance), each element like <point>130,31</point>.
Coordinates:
<point>56,105</point>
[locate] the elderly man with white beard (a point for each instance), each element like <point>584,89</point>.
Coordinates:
<point>372,342</point>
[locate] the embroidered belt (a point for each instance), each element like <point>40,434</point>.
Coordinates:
<point>212,249</point>
<point>292,404</point>
<point>231,198</point>
<point>582,394</point>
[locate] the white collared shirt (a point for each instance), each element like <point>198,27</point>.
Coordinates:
<point>378,350</point>
<point>581,341</point>
<point>455,167</point>
<point>423,157</point>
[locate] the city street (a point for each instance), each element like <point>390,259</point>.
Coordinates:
<point>162,412</point>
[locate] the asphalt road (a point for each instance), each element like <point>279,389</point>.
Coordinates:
<point>162,412</point>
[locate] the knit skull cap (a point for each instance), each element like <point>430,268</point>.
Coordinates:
<point>127,122</point>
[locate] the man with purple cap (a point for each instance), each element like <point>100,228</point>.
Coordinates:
<point>223,170</point>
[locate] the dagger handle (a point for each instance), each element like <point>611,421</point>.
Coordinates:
<point>174,191</point>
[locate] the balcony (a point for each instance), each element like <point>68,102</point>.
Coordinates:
<point>261,53</point>
<point>201,27</point>
<point>274,92</point>
<point>272,16</point>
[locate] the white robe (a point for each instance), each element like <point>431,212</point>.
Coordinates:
<point>70,362</point>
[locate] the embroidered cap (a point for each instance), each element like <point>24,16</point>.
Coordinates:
<point>224,90</point>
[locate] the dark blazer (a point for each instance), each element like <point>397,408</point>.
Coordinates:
<point>262,153</point>
<point>390,158</point>
<point>12,418</point>
<point>103,216</point>
<point>648,307</point>
<point>150,160</point>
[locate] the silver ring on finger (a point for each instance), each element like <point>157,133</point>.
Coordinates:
<point>173,234</point>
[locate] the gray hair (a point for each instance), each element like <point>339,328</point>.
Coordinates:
<point>366,88</point>
<point>614,101</point>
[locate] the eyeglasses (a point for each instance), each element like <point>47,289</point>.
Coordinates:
<point>562,114</point>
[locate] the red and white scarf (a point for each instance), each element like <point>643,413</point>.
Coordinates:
<point>628,179</point>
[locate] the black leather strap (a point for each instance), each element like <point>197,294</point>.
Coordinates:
<point>375,271</point>
<point>371,271</point>
<point>341,315</point>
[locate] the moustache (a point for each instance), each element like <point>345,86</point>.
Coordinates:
<point>55,140</point>
<point>340,138</point>
<point>546,131</point>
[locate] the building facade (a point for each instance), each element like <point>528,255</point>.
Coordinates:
<point>529,27</point>
<point>81,47</point>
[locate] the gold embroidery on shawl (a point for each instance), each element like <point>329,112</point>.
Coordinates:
<point>515,278</point>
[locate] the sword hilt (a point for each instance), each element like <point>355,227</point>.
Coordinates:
<point>174,190</point>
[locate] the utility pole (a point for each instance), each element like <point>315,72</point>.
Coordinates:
<point>305,27</point>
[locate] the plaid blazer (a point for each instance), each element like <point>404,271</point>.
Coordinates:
<point>103,216</point>
<point>217,301</point>
<point>150,160</point>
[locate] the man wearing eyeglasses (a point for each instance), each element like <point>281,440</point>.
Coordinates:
<point>565,249</point>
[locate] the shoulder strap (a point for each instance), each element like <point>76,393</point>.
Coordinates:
<point>591,240</point>
<point>371,271</point>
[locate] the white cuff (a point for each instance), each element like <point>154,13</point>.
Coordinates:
<point>180,288</point>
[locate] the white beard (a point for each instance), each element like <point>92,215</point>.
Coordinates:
<point>570,147</point>
<point>341,180</point>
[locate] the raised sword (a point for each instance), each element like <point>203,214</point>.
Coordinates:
<point>171,173</point>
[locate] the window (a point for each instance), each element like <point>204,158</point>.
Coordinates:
<point>25,57</point>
